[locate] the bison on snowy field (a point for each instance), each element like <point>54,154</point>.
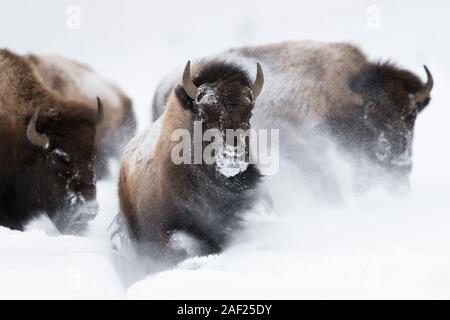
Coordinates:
<point>47,151</point>
<point>160,197</point>
<point>318,89</point>
<point>76,81</point>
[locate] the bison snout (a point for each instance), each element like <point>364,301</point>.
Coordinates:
<point>75,218</point>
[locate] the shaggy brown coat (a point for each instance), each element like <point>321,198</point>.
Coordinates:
<point>159,197</point>
<point>76,81</point>
<point>369,108</point>
<point>35,179</point>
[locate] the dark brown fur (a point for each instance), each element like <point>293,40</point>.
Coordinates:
<point>119,123</point>
<point>34,180</point>
<point>386,108</point>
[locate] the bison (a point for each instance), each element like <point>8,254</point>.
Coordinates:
<point>368,108</point>
<point>47,151</point>
<point>159,197</point>
<point>76,81</point>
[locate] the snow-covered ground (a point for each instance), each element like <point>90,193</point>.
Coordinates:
<point>371,246</point>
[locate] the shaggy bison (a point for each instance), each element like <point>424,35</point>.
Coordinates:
<point>47,151</point>
<point>76,81</point>
<point>159,197</point>
<point>368,108</point>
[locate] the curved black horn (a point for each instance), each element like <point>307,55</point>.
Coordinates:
<point>36,138</point>
<point>188,84</point>
<point>424,93</point>
<point>100,110</point>
<point>259,81</point>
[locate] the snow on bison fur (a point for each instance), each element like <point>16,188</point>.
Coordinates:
<point>368,108</point>
<point>159,197</point>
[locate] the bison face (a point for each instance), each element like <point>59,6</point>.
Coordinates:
<point>389,134</point>
<point>385,124</point>
<point>63,167</point>
<point>224,106</point>
<point>72,182</point>
<point>225,101</point>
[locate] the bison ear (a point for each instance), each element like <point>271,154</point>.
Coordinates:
<point>423,104</point>
<point>422,96</point>
<point>186,93</point>
<point>184,100</point>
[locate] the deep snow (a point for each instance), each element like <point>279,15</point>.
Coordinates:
<point>370,246</point>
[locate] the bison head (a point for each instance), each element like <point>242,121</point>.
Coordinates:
<point>61,164</point>
<point>222,98</point>
<point>392,100</point>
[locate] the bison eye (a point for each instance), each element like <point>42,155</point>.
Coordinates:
<point>61,164</point>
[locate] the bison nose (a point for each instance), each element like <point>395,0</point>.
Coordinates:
<point>74,218</point>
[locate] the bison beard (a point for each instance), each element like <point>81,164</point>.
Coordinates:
<point>159,198</point>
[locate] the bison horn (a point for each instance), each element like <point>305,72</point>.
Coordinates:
<point>189,87</point>
<point>259,81</point>
<point>424,93</point>
<point>100,110</point>
<point>36,138</point>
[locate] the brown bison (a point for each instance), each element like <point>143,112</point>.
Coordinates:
<point>47,151</point>
<point>159,197</point>
<point>76,81</point>
<point>369,108</point>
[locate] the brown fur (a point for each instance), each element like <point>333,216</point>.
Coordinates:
<point>337,89</point>
<point>314,87</point>
<point>29,181</point>
<point>151,175</point>
<point>66,77</point>
<point>158,197</point>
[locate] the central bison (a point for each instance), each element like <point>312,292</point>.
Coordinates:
<point>47,151</point>
<point>160,197</point>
